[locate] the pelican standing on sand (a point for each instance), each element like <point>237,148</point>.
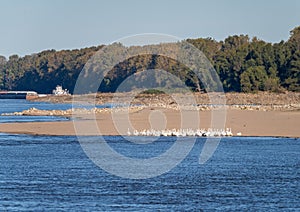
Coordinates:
<point>184,132</point>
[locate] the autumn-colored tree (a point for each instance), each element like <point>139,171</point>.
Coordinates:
<point>242,64</point>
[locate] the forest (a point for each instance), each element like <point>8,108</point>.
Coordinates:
<point>243,64</point>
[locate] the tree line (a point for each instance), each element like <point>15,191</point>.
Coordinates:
<point>243,65</point>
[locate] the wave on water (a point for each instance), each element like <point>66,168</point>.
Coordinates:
<point>53,173</point>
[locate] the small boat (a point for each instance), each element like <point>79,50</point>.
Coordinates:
<point>59,91</point>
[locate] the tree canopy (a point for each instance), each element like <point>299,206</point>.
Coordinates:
<point>243,65</point>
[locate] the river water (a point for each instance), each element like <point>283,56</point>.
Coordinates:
<point>52,173</point>
<point>18,105</point>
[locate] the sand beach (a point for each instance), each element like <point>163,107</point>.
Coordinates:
<point>248,122</point>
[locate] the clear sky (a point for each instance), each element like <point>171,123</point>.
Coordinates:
<point>30,26</point>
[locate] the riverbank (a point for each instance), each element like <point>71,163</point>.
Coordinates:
<point>266,100</point>
<point>248,122</point>
<point>260,114</point>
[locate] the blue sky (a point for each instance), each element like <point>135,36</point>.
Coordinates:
<point>30,26</point>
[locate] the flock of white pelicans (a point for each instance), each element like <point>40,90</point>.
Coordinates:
<point>184,132</point>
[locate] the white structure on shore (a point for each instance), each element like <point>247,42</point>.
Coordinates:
<point>59,91</point>
<point>183,132</point>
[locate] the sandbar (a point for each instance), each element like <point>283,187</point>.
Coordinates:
<point>247,122</point>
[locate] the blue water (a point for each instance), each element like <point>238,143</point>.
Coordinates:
<point>52,173</point>
<point>18,105</point>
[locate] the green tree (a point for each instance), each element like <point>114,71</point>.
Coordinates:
<point>254,79</point>
<point>292,82</point>
<point>2,69</point>
<point>294,40</point>
<point>241,64</point>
